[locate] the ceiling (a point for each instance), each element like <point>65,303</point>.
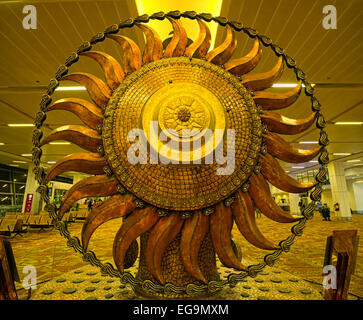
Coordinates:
<point>331,59</point>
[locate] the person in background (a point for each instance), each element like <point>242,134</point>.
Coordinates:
<point>90,203</point>
<point>325,211</point>
<point>336,209</point>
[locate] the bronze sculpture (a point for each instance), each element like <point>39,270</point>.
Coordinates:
<point>183,214</point>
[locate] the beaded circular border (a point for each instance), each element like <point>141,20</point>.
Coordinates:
<point>126,277</point>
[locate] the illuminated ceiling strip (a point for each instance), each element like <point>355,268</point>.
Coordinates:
<point>20,125</point>
<point>288,85</point>
<point>348,123</point>
<point>308,142</point>
<point>163,28</point>
<point>59,143</point>
<point>71,88</point>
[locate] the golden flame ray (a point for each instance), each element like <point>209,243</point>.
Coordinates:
<point>265,80</point>
<point>283,125</point>
<point>132,59</point>
<point>274,101</point>
<point>98,91</point>
<point>221,222</point>
<point>276,175</point>
<point>96,186</point>
<point>245,219</point>
<point>178,42</point>
<point>91,163</point>
<point>247,63</point>
<point>136,224</point>
<point>87,139</point>
<point>200,47</point>
<point>154,47</point>
<point>164,232</point>
<point>194,230</point>
<point>85,110</point>
<point>224,52</point>
<point>282,150</point>
<point>115,207</point>
<point>261,195</point>
<point>111,68</point>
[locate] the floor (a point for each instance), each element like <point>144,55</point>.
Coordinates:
<point>59,268</point>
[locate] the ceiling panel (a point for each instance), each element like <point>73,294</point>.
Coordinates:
<point>331,59</point>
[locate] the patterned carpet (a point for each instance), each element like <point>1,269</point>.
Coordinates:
<point>47,251</point>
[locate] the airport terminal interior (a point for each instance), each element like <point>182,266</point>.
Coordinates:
<point>43,258</point>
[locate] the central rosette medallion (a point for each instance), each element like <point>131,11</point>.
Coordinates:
<point>191,114</point>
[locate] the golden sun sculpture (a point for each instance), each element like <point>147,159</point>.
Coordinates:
<point>183,214</point>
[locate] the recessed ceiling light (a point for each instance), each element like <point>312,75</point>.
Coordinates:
<point>70,88</point>
<point>308,142</point>
<point>288,85</point>
<point>50,161</point>
<point>21,125</point>
<point>348,123</point>
<point>355,160</point>
<point>26,154</point>
<point>59,143</point>
<point>341,154</point>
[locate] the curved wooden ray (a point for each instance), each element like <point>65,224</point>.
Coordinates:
<point>224,52</point>
<point>91,163</point>
<point>283,125</point>
<point>115,207</point>
<point>247,63</point>
<point>178,42</point>
<point>221,222</point>
<point>111,68</point>
<point>90,114</point>
<point>282,150</point>
<point>132,59</point>
<point>200,47</point>
<point>98,91</point>
<point>193,233</point>
<point>164,232</point>
<point>87,139</point>
<point>137,223</point>
<point>154,47</point>
<point>265,80</point>
<point>245,219</point>
<point>261,195</point>
<point>276,175</point>
<point>97,186</point>
<point>274,101</point>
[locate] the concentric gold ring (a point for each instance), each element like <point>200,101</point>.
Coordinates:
<point>182,94</point>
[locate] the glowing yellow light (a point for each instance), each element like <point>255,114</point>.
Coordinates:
<point>163,27</point>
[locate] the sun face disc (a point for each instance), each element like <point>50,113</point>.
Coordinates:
<point>180,102</point>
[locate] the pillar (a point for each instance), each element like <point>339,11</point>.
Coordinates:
<point>339,190</point>
<point>294,204</point>
<point>31,188</point>
<point>358,195</point>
